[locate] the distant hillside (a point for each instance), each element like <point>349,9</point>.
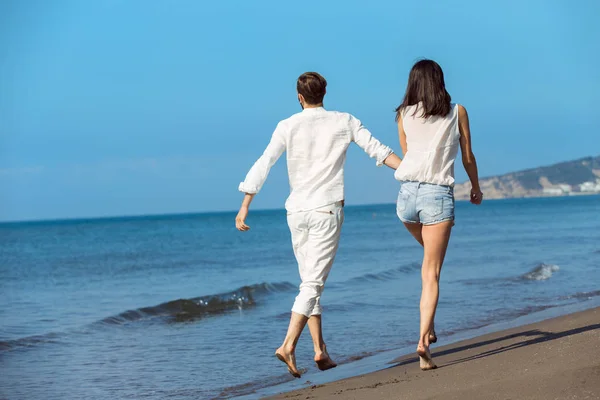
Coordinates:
<point>566,178</point>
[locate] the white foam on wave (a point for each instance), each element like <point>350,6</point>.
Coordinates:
<point>541,272</point>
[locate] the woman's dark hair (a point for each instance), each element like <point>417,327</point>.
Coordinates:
<point>426,85</point>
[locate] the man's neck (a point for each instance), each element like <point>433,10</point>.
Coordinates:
<point>313,105</point>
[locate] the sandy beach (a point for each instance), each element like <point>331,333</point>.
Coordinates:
<point>557,359</point>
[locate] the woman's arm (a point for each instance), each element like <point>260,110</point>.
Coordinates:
<point>468,158</point>
<point>402,136</point>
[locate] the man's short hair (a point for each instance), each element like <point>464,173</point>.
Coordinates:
<point>311,86</point>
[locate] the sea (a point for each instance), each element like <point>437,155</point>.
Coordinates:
<point>186,307</point>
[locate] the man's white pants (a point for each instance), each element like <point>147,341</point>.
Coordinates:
<point>315,239</point>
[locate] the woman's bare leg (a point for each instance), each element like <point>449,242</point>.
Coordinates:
<point>416,231</point>
<point>435,240</point>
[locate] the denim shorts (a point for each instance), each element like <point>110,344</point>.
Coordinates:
<point>424,203</point>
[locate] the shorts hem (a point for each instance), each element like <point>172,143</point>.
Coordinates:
<point>407,221</point>
<point>438,221</point>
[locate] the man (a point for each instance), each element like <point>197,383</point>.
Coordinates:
<point>316,141</point>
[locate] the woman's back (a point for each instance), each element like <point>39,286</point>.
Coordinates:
<point>431,129</point>
<point>432,145</point>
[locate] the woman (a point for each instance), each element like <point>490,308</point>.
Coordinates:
<point>431,128</point>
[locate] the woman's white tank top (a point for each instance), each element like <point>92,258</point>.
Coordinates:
<point>432,147</point>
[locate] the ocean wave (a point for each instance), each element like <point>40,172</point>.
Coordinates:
<point>29,341</point>
<point>191,309</point>
<point>180,310</point>
<point>385,275</point>
<point>541,272</point>
<point>581,295</point>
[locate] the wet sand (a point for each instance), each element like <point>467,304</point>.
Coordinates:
<point>554,359</point>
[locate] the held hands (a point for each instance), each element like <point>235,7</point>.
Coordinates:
<point>240,219</point>
<point>476,196</point>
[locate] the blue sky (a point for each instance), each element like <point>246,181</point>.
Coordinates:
<point>144,107</point>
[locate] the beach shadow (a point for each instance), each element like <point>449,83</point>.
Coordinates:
<point>539,337</point>
<point>542,337</point>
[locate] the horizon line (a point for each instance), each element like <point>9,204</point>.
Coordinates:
<point>150,215</point>
<point>193,213</point>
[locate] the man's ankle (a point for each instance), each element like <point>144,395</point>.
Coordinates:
<point>288,347</point>
<point>320,349</point>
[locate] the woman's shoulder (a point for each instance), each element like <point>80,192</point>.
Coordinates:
<point>410,110</point>
<point>461,111</point>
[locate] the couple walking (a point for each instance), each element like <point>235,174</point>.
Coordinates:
<point>430,129</point>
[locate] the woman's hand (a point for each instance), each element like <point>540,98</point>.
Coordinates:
<point>476,196</point>
<point>468,158</point>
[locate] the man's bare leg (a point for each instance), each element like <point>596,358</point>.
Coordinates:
<point>286,353</point>
<point>324,362</point>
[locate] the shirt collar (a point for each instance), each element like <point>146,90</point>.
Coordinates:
<point>313,109</point>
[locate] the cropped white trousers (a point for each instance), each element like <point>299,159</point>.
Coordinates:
<point>315,239</point>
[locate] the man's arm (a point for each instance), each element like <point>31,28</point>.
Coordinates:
<point>260,170</point>
<point>240,219</point>
<point>373,147</point>
<point>392,161</point>
<point>258,175</point>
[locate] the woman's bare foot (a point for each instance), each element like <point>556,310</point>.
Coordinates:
<point>432,336</point>
<point>289,359</point>
<point>324,362</point>
<point>425,361</point>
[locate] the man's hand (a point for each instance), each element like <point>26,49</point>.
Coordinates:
<point>393,161</point>
<point>476,196</point>
<point>240,219</point>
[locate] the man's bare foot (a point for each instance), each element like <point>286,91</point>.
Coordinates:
<point>324,362</point>
<point>289,359</point>
<point>425,361</point>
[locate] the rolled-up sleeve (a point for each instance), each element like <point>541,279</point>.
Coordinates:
<point>363,138</point>
<point>257,175</point>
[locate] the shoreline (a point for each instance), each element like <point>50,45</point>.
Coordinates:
<point>557,358</point>
<point>386,368</point>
